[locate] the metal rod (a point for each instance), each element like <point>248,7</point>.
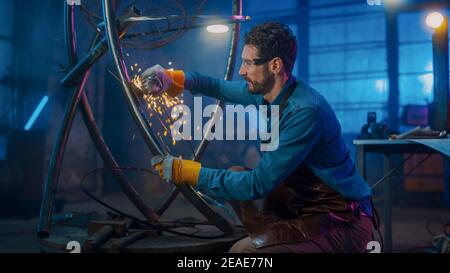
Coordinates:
<point>116,52</point>
<point>54,169</point>
<point>231,63</point>
<point>232,19</point>
<point>59,147</point>
<point>96,52</point>
<point>113,41</point>
<point>167,200</point>
<point>101,145</point>
<point>109,160</point>
<point>234,44</point>
<point>132,35</point>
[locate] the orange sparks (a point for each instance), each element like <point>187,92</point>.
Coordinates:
<point>159,105</point>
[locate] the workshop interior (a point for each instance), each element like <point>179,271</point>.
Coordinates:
<point>77,139</point>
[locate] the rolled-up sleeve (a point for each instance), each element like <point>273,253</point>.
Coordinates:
<point>301,131</point>
<point>229,91</point>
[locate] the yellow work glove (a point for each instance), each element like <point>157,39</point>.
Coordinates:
<point>179,171</point>
<point>177,86</point>
<point>157,80</point>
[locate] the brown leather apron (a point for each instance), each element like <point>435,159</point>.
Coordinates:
<point>299,209</point>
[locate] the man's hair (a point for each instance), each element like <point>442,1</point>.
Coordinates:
<point>273,39</point>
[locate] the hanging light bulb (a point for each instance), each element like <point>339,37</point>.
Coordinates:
<point>217,28</point>
<point>434,20</point>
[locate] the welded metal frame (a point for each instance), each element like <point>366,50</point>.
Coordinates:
<point>113,39</point>
<point>231,64</point>
<point>195,198</point>
<point>61,141</point>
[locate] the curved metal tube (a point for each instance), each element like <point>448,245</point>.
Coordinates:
<point>237,10</point>
<point>113,40</point>
<point>100,143</point>
<point>95,134</point>
<point>220,19</point>
<point>96,52</point>
<point>109,160</point>
<point>231,64</point>
<point>59,148</point>
<point>116,52</point>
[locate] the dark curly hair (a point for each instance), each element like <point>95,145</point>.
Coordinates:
<point>273,39</point>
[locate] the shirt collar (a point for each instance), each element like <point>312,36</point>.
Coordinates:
<point>285,88</point>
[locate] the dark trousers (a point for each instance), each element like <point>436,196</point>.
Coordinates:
<point>350,238</point>
<point>331,225</point>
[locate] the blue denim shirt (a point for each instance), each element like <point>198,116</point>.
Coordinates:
<point>310,135</point>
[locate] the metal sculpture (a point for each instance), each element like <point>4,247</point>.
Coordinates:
<point>115,29</point>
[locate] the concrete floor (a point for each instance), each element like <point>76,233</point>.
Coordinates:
<point>409,223</point>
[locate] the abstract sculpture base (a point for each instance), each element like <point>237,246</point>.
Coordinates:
<point>149,241</point>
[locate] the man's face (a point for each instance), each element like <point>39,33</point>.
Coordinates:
<point>258,76</point>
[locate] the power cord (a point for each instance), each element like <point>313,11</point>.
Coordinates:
<point>140,221</point>
<point>395,169</point>
<point>397,178</point>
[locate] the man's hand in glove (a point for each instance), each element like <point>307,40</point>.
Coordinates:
<point>157,80</point>
<point>179,171</point>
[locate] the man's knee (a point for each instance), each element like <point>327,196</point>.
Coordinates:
<point>246,246</point>
<point>243,246</point>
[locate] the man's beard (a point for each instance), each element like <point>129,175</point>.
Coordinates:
<point>264,86</point>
